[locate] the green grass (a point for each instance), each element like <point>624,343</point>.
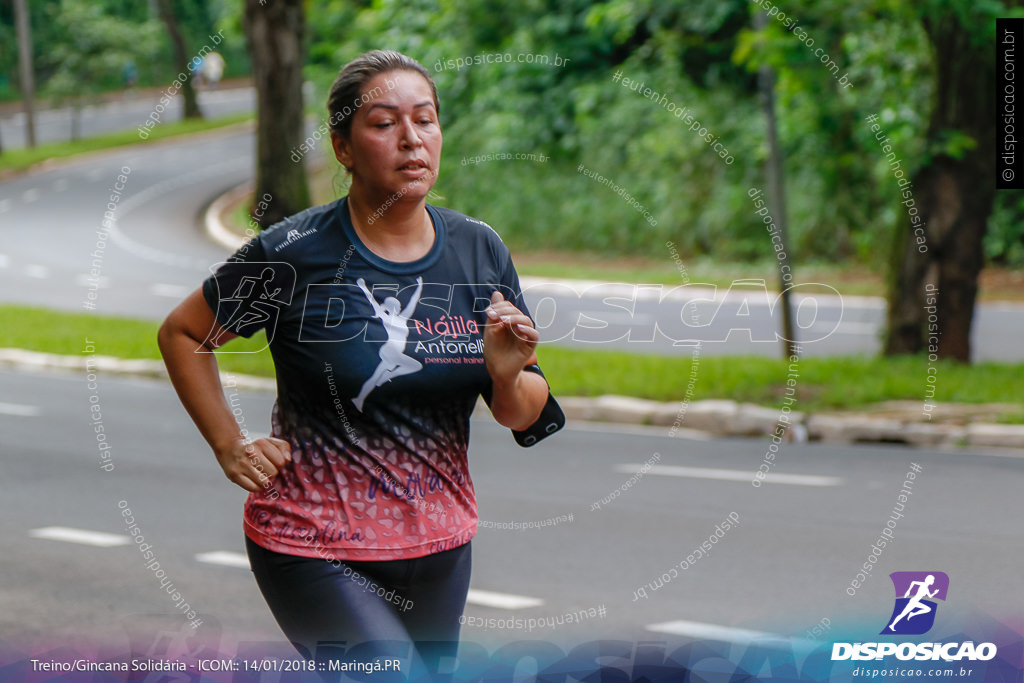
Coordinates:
<point>239,219</point>
<point>14,160</point>
<point>49,331</point>
<point>823,384</point>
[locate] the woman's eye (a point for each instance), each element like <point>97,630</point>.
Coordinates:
<point>383,125</point>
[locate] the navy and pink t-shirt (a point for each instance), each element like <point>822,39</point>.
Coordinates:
<point>379,366</point>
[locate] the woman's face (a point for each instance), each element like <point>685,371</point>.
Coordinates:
<point>394,148</point>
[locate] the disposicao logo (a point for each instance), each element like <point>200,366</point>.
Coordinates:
<point>914,612</point>
<point>914,615</point>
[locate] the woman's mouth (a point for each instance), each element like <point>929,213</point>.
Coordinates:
<point>414,169</point>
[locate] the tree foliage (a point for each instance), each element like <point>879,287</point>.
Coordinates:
<point>702,55</point>
<point>92,48</point>
<point>154,57</point>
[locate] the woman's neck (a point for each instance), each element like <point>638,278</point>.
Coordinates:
<point>401,231</point>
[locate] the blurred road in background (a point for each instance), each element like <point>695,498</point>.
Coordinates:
<point>800,541</point>
<point>126,113</point>
<point>156,253</point>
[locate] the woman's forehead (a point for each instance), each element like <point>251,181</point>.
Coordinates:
<point>398,88</point>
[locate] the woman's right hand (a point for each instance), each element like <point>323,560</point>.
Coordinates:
<point>187,340</point>
<point>251,463</point>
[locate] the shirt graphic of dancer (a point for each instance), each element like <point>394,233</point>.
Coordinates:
<point>393,361</point>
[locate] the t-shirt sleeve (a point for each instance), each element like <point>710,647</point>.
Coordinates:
<point>247,292</point>
<point>551,418</point>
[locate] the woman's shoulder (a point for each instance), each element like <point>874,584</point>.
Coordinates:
<point>304,226</point>
<point>464,228</point>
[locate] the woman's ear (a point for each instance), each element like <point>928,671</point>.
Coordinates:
<point>342,150</point>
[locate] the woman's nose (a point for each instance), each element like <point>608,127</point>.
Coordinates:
<point>409,135</point>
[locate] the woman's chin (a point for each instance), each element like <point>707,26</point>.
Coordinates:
<point>397,193</point>
<point>415,190</point>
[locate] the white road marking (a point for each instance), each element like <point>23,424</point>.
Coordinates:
<point>160,190</point>
<point>730,475</point>
<point>501,600</point>
<point>4,261</point>
<point>172,291</point>
<point>30,195</point>
<point>225,559</point>
<point>4,205</point>
<point>83,536</point>
<point>18,409</point>
<point>38,272</point>
<point>60,184</point>
<point>699,630</point>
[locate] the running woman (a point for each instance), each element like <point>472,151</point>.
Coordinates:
<point>386,318</point>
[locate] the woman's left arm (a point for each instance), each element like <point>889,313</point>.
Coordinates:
<point>518,396</point>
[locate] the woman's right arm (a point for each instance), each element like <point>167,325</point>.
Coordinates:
<point>185,342</point>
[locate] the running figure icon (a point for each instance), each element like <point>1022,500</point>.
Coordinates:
<point>915,607</point>
<point>393,361</point>
<point>255,302</point>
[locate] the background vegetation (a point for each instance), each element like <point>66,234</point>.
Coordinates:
<point>843,202</point>
<point>547,79</point>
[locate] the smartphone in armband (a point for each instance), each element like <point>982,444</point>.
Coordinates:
<point>550,421</point>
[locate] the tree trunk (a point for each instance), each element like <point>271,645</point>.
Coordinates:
<point>26,70</point>
<point>76,121</point>
<point>777,195</point>
<point>274,32</point>
<point>955,197</point>
<point>181,56</point>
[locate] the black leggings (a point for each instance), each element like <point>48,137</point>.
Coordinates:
<point>327,608</point>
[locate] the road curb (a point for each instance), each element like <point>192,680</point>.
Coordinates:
<point>215,228</point>
<point>713,417</point>
<point>22,359</point>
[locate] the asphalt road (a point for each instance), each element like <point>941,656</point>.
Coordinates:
<point>155,254</point>
<point>787,565</point>
<point>54,125</point>
<point>52,239</point>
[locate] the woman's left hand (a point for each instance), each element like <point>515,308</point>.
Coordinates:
<point>509,340</point>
